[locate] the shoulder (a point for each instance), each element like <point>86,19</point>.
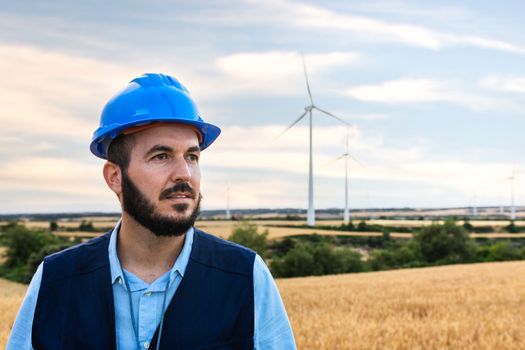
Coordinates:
<point>222,254</point>
<point>79,259</point>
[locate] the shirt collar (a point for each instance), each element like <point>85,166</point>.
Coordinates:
<point>179,267</point>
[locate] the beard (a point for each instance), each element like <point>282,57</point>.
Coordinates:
<point>137,205</point>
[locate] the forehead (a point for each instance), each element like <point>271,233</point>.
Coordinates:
<point>176,136</point>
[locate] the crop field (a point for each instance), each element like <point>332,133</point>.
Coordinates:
<point>224,228</point>
<point>106,222</point>
<point>478,306</point>
<point>11,295</point>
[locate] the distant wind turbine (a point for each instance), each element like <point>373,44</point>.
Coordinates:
<point>346,215</point>
<point>228,214</point>
<point>310,217</point>
<point>227,195</point>
<point>473,206</point>
<point>501,211</point>
<point>512,206</point>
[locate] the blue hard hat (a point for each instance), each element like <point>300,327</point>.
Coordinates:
<point>149,98</point>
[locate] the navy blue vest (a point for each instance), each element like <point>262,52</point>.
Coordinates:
<point>212,308</point>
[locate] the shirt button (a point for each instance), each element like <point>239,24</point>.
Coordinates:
<point>148,294</point>
<point>119,280</point>
<point>146,345</point>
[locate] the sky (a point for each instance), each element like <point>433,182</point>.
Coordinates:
<point>434,93</point>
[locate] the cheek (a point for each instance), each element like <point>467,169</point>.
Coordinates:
<point>196,177</point>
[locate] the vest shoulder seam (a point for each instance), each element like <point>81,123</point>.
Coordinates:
<point>227,248</point>
<point>223,242</point>
<point>55,260</point>
<point>221,269</point>
<point>78,273</point>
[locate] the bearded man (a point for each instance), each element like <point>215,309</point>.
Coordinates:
<point>154,281</point>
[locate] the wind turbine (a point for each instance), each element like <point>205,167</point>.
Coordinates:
<point>310,217</point>
<point>228,214</point>
<point>501,211</point>
<point>346,214</point>
<point>512,206</point>
<point>473,206</point>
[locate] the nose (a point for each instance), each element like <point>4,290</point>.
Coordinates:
<point>181,170</point>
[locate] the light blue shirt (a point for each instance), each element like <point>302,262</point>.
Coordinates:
<point>271,326</point>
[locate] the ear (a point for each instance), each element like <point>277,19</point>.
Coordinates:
<point>113,176</point>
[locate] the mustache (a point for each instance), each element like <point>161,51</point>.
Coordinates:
<point>179,187</point>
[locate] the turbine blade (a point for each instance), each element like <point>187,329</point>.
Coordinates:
<point>307,83</point>
<point>331,115</point>
<point>349,156</point>
<point>355,159</point>
<point>334,160</point>
<point>291,125</point>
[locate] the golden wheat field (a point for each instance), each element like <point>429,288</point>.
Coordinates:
<point>11,295</point>
<point>224,228</point>
<point>478,306</point>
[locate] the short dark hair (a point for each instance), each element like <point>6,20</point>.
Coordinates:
<point>119,151</point>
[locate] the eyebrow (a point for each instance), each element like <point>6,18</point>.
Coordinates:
<point>158,148</point>
<point>194,149</point>
<point>162,148</point>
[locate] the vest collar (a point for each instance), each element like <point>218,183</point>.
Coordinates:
<point>179,267</point>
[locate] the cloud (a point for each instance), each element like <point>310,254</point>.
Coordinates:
<point>53,93</point>
<point>59,175</point>
<point>53,184</point>
<point>309,16</point>
<point>277,71</point>
<point>281,64</point>
<point>269,172</point>
<point>442,12</point>
<point>411,90</point>
<point>263,172</point>
<point>504,83</point>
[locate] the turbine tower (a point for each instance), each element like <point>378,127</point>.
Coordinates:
<point>512,206</point>
<point>228,214</point>
<point>501,211</point>
<point>346,214</point>
<point>474,207</point>
<point>310,217</point>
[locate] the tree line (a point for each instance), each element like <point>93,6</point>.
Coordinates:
<point>436,244</point>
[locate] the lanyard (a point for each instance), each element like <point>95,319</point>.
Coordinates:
<point>133,314</point>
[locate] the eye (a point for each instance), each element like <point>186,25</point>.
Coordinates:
<point>193,158</point>
<point>160,156</point>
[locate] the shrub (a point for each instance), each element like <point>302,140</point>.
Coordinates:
<point>86,226</point>
<point>397,255</point>
<point>245,233</point>
<point>298,262</point>
<point>348,261</point>
<point>348,227</point>
<point>282,247</point>
<point>468,226</point>
<point>446,243</point>
<point>22,242</point>
<point>307,259</point>
<point>362,226</point>
<point>502,251</point>
<point>512,228</point>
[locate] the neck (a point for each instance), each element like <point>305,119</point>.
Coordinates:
<point>143,253</point>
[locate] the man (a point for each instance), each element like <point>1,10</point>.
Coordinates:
<point>154,281</point>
